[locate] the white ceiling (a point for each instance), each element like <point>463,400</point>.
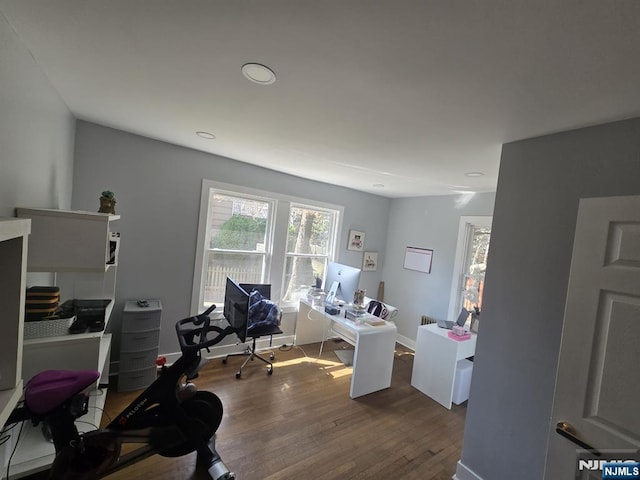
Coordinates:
<point>408,94</point>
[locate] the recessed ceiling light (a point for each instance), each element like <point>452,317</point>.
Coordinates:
<point>258,73</point>
<point>207,135</point>
<point>378,185</point>
<point>473,174</point>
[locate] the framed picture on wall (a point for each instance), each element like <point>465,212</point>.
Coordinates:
<point>356,240</point>
<point>370,261</point>
<point>418,259</point>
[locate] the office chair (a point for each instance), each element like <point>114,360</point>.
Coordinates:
<point>263,319</point>
<point>250,352</point>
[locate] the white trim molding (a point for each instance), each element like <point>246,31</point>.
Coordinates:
<point>406,341</point>
<point>465,473</point>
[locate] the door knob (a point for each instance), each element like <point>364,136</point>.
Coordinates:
<point>568,431</point>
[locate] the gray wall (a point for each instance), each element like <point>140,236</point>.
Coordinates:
<point>425,222</point>
<point>36,133</point>
<point>157,187</point>
<point>540,183</point>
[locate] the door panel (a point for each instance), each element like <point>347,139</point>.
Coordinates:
<point>613,391</point>
<point>597,388</point>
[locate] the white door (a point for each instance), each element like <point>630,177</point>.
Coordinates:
<point>598,382</point>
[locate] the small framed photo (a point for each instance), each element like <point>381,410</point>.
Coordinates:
<point>370,261</point>
<point>356,240</point>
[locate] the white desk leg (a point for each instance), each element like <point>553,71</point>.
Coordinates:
<point>311,325</point>
<point>435,367</point>
<point>372,362</point>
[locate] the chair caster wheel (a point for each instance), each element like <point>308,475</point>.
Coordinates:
<point>224,361</point>
<point>238,374</point>
<point>272,356</point>
<point>270,371</point>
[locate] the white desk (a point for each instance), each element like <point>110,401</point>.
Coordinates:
<point>374,346</point>
<point>436,358</point>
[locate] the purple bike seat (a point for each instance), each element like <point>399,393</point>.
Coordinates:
<point>51,388</point>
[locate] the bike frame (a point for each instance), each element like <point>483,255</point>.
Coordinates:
<point>156,419</point>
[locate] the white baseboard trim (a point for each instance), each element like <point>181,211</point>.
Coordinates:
<point>220,351</point>
<point>263,344</point>
<point>407,342</point>
<point>465,473</point>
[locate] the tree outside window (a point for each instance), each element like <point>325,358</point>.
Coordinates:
<point>309,246</point>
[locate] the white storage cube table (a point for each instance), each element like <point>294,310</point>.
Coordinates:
<point>462,382</point>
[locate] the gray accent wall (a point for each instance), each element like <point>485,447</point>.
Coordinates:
<point>540,183</point>
<point>36,132</point>
<point>157,187</point>
<point>425,222</point>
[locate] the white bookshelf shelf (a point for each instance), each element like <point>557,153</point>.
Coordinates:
<point>74,245</point>
<point>35,454</point>
<point>67,241</point>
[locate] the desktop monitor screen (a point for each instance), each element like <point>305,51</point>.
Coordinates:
<point>236,308</point>
<point>347,279</point>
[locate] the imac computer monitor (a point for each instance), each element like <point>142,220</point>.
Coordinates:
<point>345,278</point>
<point>236,308</point>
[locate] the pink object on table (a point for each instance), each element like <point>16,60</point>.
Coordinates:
<point>459,338</point>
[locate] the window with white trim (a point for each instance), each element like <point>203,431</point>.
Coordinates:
<point>256,236</point>
<point>474,236</point>
<point>310,240</point>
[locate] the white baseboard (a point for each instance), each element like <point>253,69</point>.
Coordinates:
<point>465,473</point>
<point>220,351</point>
<point>407,342</point>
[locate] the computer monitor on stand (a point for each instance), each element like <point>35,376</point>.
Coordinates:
<point>236,308</point>
<point>341,282</point>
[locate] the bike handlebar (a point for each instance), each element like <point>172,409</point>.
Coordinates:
<point>187,335</point>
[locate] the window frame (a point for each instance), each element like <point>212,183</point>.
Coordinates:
<point>465,233</point>
<point>276,257</point>
<point>331,251</point>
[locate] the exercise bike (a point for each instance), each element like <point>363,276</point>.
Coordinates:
<point>170,418</point>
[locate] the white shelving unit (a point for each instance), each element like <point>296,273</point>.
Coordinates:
<point>13,258</point>
<point>75,246</point>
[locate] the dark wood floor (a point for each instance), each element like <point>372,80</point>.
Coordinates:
<point>300,423</point>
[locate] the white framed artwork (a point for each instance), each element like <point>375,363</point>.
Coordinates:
<point>370,262</point>
<point>356,240</point>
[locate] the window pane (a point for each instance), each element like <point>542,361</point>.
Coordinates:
<point>243,268</point>
<point>237,223</point>
<point>300,274</point>
<point>476,268</point>
<point>234,224</point>
<point>309,244</point>
<point>310,230</point>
